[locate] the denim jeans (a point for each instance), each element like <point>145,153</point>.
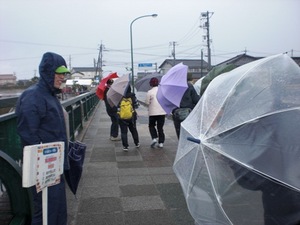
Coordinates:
<point>114,128</point>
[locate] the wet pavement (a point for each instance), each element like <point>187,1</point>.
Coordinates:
<point>137,187</point>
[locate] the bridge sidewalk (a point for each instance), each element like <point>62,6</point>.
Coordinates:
<point>137,187</point>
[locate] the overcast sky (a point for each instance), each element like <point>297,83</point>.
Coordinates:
<point>76,28</point>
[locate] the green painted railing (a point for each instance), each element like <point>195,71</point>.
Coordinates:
<point>79,109</point>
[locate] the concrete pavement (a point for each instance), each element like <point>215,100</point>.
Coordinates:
<point>137,187</point>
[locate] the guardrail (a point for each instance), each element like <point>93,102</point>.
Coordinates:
<point>79,109</point>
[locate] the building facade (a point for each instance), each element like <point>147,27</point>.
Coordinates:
<point>197,67</point>
<point>8,79</point>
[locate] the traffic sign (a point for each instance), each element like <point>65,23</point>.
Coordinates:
<point>145,64</point>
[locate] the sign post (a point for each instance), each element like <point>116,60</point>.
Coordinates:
<point>45,205</point>
<point>42,167</point>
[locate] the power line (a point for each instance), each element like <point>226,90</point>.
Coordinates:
<point>38,57</point>
<point>190,34</point>
<point>43,44</point>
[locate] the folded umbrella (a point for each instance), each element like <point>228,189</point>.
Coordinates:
<point>142,85</point>
<point>76,157</point>
<point>117,90</point>
<point>102,85</point>
<point>172,87</point>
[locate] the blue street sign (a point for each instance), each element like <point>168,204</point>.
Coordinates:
<point>145,64</point>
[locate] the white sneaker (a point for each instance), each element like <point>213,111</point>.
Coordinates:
<point>160,145</point>
<point>154,141</point>
<point>115,138</point>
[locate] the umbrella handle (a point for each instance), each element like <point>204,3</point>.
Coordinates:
<point>195,140</point>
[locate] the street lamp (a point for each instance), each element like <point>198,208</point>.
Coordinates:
<point>132,70</point>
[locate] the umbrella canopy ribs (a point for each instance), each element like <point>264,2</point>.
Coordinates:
<point>239,149</point>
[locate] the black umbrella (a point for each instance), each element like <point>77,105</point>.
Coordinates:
<point>76,159</point>
<point>143,85</point>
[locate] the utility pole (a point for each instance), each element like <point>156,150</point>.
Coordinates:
<point>201,63</point>
<point>173,44</point>
<point>205,25</point>
<point>155,67</point>
<point>70,59</point>
<point>99,63</point>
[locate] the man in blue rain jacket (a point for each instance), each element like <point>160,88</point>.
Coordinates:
<point>40,119</point>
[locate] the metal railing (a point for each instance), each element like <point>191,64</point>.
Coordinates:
<point>79,110</point>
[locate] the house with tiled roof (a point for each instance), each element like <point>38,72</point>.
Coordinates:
<point>197,67</point>
<point>199,70</point>
<point>84,72</point>
<point>296,59</point>
<point>242,59</point>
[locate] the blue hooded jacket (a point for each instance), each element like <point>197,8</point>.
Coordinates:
<point>40,117</point>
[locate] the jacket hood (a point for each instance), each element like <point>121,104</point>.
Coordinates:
<point>49,63</point>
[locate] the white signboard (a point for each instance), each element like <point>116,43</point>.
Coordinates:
<point>43,164</point>
<point>86,82</point>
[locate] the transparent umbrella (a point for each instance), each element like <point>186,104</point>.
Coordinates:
<point>239,149</point>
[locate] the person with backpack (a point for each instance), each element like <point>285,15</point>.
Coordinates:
<point>156,115</point>
<point>127,119</point>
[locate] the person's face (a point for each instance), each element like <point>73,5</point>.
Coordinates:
<point>59,79</point>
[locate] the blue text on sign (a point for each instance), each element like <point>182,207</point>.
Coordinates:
<point>48,151</point>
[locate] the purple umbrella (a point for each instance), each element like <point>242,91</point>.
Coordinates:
<point>172,87</point>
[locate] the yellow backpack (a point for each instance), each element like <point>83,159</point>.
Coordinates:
<point>125,110</point>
